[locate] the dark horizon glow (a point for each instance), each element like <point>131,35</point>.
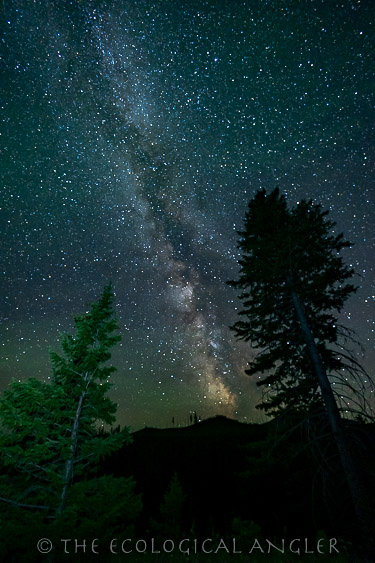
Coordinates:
<point>133,136</point>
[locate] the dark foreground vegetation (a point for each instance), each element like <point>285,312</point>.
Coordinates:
<point>222,486</point>
<point>223,478</point>
<point>225,470</point>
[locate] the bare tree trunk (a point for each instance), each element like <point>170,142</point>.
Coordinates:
<point>69,464</point>
<point>357,488</point>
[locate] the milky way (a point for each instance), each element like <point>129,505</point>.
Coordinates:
<point>133,136</point>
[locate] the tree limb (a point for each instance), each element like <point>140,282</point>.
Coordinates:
<point>23,505</point>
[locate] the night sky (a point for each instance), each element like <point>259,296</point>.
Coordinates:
<point>133,135</point>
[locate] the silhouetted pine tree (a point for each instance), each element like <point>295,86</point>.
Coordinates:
<point>293,280</point>
<point>172,508</point>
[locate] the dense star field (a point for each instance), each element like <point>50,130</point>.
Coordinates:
<point>133,135</point>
